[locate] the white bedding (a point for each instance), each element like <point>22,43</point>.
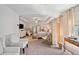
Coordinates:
<point>42,34</point>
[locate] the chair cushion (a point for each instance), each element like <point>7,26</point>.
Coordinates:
<point>12,50</point>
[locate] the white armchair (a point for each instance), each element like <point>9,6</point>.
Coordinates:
<point>8,48</point>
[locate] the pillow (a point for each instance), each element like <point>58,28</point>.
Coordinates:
<point>15,38</point>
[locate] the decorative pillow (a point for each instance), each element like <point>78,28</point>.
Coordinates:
<point>15,38</point>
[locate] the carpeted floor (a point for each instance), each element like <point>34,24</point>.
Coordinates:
<point>38,47</point>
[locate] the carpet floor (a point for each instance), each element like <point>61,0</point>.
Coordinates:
<point>38,47</point>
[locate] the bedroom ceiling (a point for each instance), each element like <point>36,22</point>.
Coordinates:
<point>43,11</point>
<point>39,9</point>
